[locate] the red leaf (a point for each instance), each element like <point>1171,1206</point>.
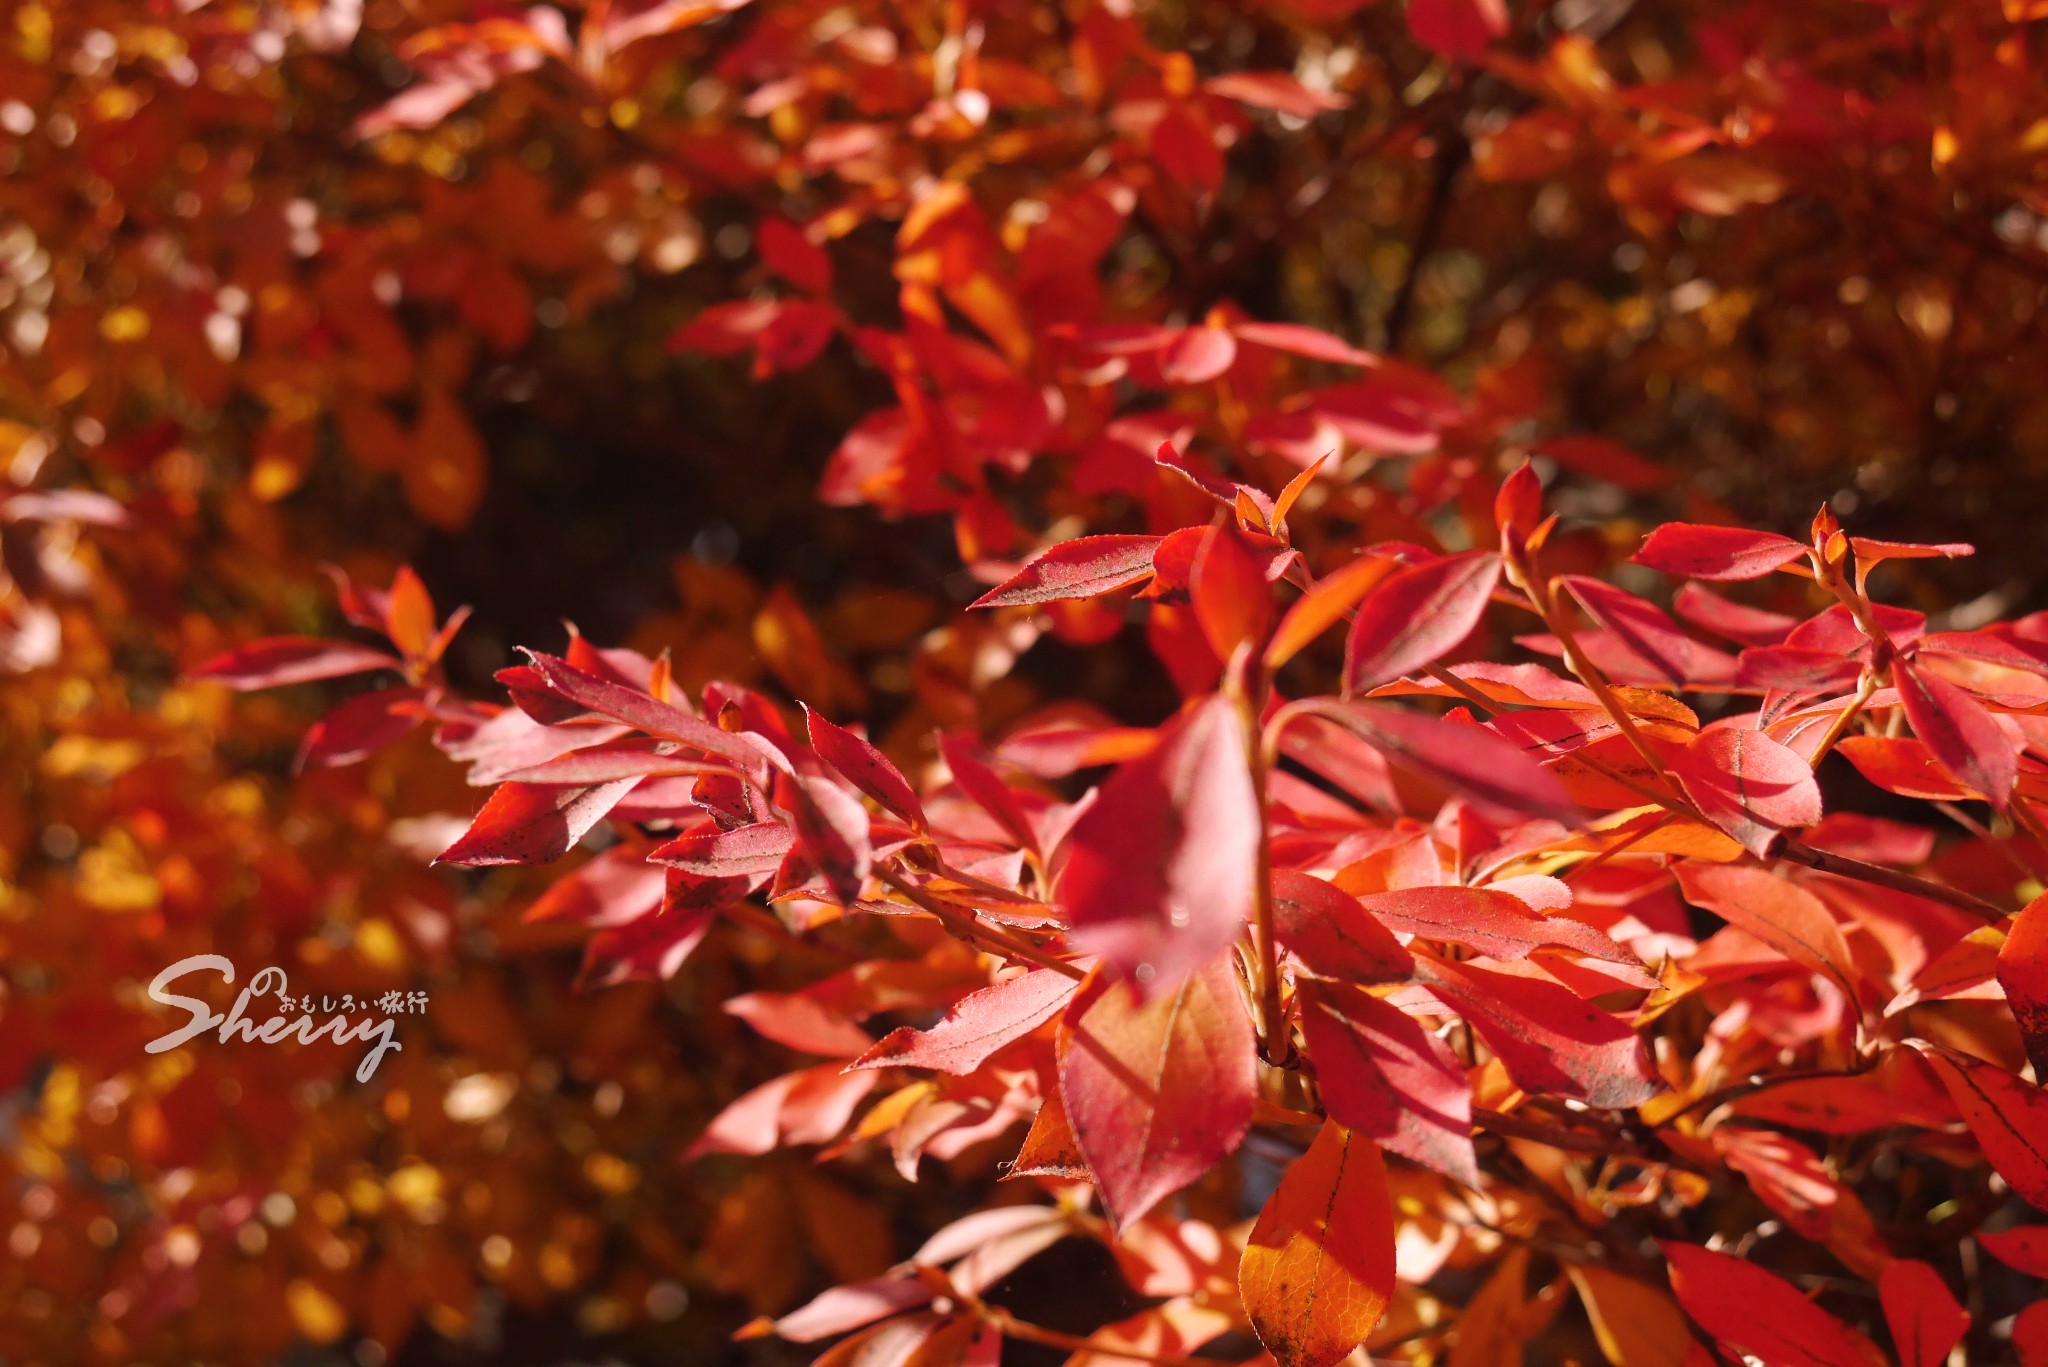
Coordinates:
<point>1233,602</point>
<point>1417,615</point>
<point>1494,923</point>
<point>1076,569</point>
<point>1796,668</point>
<point>523,823</point>
<point>281,660</point>
<point>1641,626</point>
<point>638,709</point>
<point>745,852</point>
<point>1925,1321</point>
<point>987,789</point>
<point>1693,551</point>
<point>1782,914</point>
<point>1313,343</point>
<point>2024,1249</point>
<point>1749,785</point>
<point>1383,1075</point>
<point>810,1106</point>
<point>1736,621</point>
<point>793,256</point>
<point>865,767</point>
<point>1457,28</point>
<point>617,887</point>
<point>1198,354</point>
<point>1547,1039</point>
<point>1158,873</point>
<point>1281,93</point>
<point>1902,765</point>
<point>1962,735</point>
<point>647,949</point>
<point>802,1023</point>
<point>1331,933</point>
<point>1750,1311</point>
<point>361,727</point>
<point>976,1027</point>
<point>1469,760</point>
<point>1157,1093</point>
<point>849,1307</point>
<point>832,832</point>
<point>2023,973</point>
<point>2030,1335</point>
<point>1315,611</point>
<point>2008,1116</point>
<point>1318,1272</point>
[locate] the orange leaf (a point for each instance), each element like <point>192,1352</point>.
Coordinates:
<point>1319,1270</point>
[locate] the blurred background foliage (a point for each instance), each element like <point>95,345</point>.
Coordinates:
<point>364,282</point>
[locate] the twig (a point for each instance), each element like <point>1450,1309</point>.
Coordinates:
<point>1844,867</point>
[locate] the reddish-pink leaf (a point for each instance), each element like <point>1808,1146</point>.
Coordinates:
<point>1076,569</point>
<point>1157,1092</point>
<point>2024,1249</point>
<point>1233,602</point>
<point>1380,1073</point>
<point>646,949</point>
<point>1736,621</point>
<point>745,852</point>
<point>1457,28</point>
<point>802,1023</point>
<point>1925,1321</point>
<point>1158,872</point>
<point>1750,1311</point>
<point>281,660</point>
<point>361,727</point>
<point>1776,911</point>
<point>638,709</point>
<point>832,833</point>
<point>2023,973</point>
<point>865,767</point>
<point>1641,626</point>
<point>1796,669</point>
<point>1470,760</point>
<point>1315,611</point>
<point>1318,1272</point>
<point>1283,94</point>
<point>525,823</point>
<point>811,1106</point>
<point>1962,735</point>
<point>1749,785</point>
<point>849,1307</point>
<point>986,788</point>
<point>1198,354</point>
<point>617,887</point>
<point>1331,934</point>
<point>1547,1039</point>
<point>1693,551</point>
<point>1416,616</point>
<point>1313,343</point>
<point>2009,1117</point>
<point>1494,923</point>
<point>976,1027</point>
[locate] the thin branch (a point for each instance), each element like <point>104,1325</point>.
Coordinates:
<point>1878,876</point>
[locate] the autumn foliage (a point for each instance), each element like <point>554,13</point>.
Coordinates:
<point>1211,719</point>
